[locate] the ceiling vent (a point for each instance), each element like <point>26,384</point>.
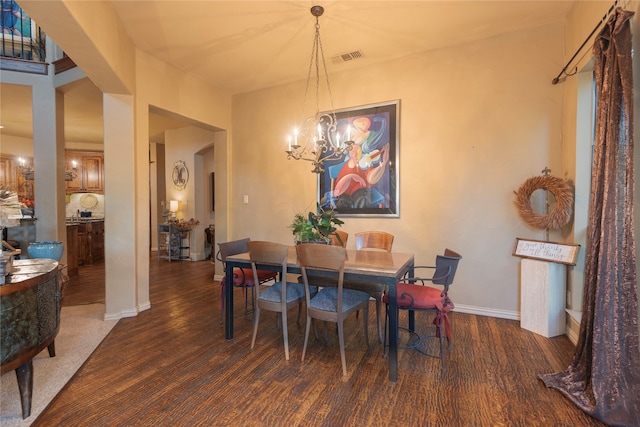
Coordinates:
<point>347,57</point>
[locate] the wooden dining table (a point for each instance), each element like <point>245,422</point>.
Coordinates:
<point>386,268</point>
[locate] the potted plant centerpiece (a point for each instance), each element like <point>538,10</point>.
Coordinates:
<point>316,227</point>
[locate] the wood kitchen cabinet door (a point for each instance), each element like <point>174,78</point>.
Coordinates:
<point>97,242</point>
<point>90,175</point>
<point>11,176</point>
<point>8,173</point>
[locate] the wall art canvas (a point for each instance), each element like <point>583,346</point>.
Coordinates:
<point>364,182</point>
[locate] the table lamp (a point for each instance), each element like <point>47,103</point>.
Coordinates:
<point>173,208</point>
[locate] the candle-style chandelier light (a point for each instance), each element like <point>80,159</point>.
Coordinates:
<point>28,174</point>
<point>318,138</point>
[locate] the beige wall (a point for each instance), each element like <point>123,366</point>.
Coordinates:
<point>184,144</point>
<point>475,122</point>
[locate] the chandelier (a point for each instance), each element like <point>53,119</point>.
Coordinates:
<point>28,174</point>
<point>25,169</point>
<point>318,137</point>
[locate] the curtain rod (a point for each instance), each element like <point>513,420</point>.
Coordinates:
<point>557,79</point>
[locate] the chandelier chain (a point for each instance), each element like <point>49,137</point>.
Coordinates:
<point>318,139</point>
<point>306,90</point>
<point>326,74</point>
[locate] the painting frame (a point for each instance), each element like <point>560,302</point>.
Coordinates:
<point>365,181</point>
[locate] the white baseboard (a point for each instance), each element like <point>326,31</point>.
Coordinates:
<point>573,325</point>
<point>120,315</point>
<point>484,311</point>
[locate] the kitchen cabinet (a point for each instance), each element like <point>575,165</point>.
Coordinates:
<point>90,242</point>
<point>90,171</point>
<point>12,177</point>
<point>72,250</point>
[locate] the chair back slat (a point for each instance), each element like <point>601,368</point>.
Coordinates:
<point>344,236</point>
<point>446,267</point>
<point>262,252</point>
<point>311,255</point>
<point>374,240</point>
<point>234,247</point>
<point>325,257</point>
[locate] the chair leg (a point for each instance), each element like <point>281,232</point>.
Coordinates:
<point>306,336</point>
<point>253,306</point>
<point>366,326</point>
<point>386,323</point>
<point>341,340</point>
<point>439,327</point>
<point>255,327</point>
<point>285,334</point>
<point>378,318</point>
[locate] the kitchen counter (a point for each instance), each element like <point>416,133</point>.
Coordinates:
<point>83,220</point>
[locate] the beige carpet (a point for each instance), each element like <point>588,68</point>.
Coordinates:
<point>81,330</point>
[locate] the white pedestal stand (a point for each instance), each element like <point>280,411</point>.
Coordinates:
<point>543,297</point>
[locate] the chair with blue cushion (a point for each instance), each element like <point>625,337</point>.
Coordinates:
<point>414,295</point>
<point>242,277</point>
<point>282,295</point>
<point>330,304</point>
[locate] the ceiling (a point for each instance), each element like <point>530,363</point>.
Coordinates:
<point>242,46</point>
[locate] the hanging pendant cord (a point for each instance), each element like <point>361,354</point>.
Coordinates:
<point>564,70</point>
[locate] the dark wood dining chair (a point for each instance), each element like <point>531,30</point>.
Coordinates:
<point>413,294</point>
<point>282,295</point>
<point>330,304</point>
<point>242,277</point>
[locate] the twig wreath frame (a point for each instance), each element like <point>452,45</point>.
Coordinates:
<point>561,213</point>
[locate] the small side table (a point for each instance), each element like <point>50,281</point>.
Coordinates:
<point>543,297</point>
<point>173,244</point>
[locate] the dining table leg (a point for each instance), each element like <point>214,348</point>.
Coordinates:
<point>393,334</point>
<point>228,304</point>
<point>393,326</point>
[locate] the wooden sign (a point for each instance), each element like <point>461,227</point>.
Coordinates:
<point>563,253</point>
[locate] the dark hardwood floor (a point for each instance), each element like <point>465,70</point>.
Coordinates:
<point>87,287</point>
<point>171,365</point>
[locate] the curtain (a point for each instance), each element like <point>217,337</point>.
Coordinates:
<point>603,378</point>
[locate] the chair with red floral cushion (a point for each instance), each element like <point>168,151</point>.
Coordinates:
<point>242,277</point>
<point>414,295</point>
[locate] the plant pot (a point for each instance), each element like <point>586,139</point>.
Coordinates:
<point>318,242</point>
